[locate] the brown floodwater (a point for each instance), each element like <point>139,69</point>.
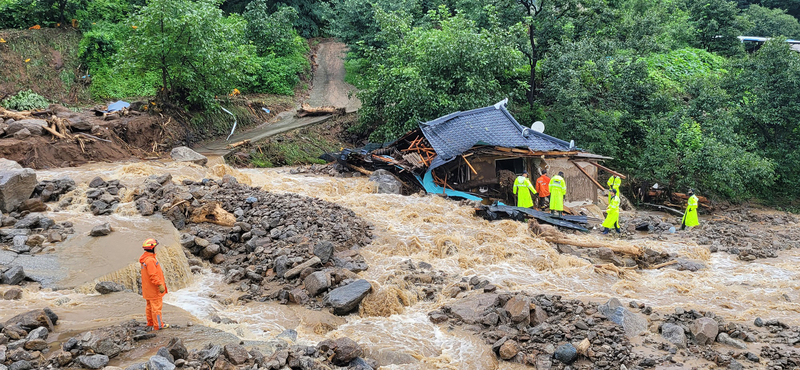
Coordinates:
<point>419,228</point>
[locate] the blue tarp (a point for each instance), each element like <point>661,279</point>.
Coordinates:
<point>431,187</point>
<point>118,105</point>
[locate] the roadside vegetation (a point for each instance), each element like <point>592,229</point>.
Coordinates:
<point>664,87</point>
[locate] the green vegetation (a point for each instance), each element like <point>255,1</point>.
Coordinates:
<point>303,147</point>
<point>25,100</point>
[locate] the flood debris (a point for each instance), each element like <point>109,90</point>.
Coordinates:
<point>283,247</point>
<point>476,155</point>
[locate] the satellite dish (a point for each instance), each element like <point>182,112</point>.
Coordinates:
<point>538,126</point>
<point>572,144</point>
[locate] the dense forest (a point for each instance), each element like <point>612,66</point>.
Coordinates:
<point>663,86</point>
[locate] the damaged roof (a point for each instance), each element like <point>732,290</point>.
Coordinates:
<point>457,132</point>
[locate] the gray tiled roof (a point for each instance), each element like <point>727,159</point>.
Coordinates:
<point>457,132</point>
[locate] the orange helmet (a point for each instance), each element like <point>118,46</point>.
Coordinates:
<point>150,244</point>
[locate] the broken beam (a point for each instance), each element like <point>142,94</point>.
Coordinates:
<point>468,164</point>
<point>604,168</point>
<point>589,176</point>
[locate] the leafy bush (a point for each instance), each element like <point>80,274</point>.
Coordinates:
<point>676,69</point>
<point>25,100</point>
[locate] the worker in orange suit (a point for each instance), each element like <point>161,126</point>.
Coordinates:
<point>153,285</point>
<point>543,188</point>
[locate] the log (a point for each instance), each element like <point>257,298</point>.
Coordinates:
<point>589,176</point>
<point>700,198</point>
<point>238,143</point>
<point>665,264</point>
<point>604,168</point>
<point>468,164</point>
<point>306,110</point>
<point>624,249</point>
<point>17,116</point>
<point>54,132</point>
<point>359,169</point>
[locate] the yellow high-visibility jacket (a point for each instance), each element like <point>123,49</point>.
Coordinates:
<point>558,189</point>
<point>524,190</point>
<point>612,214</point>
<point>614,182</point>
<point>690,216</point>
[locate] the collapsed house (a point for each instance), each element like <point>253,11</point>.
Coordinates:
<point>477,154</point>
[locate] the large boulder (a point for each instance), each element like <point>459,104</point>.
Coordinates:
<point>106,287</point>
<point>346,298</point>
<point>472,309</point>
<point>632,323</point>
<point>386,182</point>
<point>236,354</point>
<point>12,276</point>
<point>519,308</point>
<point>184,154</point>
<point>93,361</point>
<point>16,186</point>
<point>35,126</point>
<point>159,363</point>
<point>101,230</point>
<point>7,164</point>
<point>674,334</point>
<point>31,320</point>
<point>704,330</point>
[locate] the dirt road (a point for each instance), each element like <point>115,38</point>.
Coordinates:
<point>328,88</point>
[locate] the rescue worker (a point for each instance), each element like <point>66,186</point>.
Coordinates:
<point>614,182</point>
<point>612,213</point>
<point>543,188</point>
<point>690,216</point>
<point>558,189</point>
<point>153,285</point>
<point>523,189</point>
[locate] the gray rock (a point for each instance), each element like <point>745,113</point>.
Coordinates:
<point>20,365</point>
<point>145,207</point>
<point>726,339</point>
<point>471,310</point>
<point>12,294</point>
<point>324,250</point>
<point>38,333</point>
<point>104,346</point>
<point>345,350</point>
<point>632,323</point>
<point>290,334</point>
<point>13,276</point>
<point>184,154</point>
<point>291,273</point>
<point>346,298</point>
<point>22,134</point>
<point>758,322</point>
<point>34,126</point>
<point>187,240</point>
<point>164,352</point>
<point>93,361</point>
<point>566,353</point>
<point>704,330</point>
<point>20,244</point>
<point>97,182</point>
<point>7,164</point>
<point>359,363</point>
<point>15,187</point>
<point>236,354</point>
<point>101,230</point>
<point>386,182</point>
<point>177,349</point>
<point>106,287</point>
<point>674,334</point>
<point>159,363</point>
<point>317,282</point>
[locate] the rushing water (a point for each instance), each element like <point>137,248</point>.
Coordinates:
<point>420,228</point>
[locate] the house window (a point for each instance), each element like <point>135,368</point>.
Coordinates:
<point>515,165</point>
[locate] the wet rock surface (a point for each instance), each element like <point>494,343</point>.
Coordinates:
<point>267,245</point>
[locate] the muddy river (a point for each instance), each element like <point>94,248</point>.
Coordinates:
<point>419,228</point>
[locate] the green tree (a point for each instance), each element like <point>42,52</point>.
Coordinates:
<point>427,72</point>
<point>27,13</point>
<point>717,24</point>
<point>766,89</point>
<point>197,51</point>
<point>771,22</point>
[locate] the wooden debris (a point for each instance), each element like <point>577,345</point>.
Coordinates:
<point>17,116</point>
<point>214,213</point>
<point>604,168</point>
<point>611,269</point>
<point>238,143</point>
<point>306,110</point>
<point>588,175</point>
<point>616,247</point>
<point>54,132</point>
<point>664,264</point>
<point>359,169</point>
<point>468,164</point>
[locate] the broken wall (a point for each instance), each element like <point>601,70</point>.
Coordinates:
<point>579,188</point>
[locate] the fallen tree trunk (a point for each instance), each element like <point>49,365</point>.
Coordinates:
<point>306,110</point>
<point>17,116</point>
<point>618,248</point>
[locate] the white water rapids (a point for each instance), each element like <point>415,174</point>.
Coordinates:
<point>420,228</point>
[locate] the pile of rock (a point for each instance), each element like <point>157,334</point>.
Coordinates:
<point>780,358</point>
<point>103,196</point>
<point>52,190</point>
<point>27,234</point>
<point>23,340</point>
<point>546,331</point>
<point>283,247</point>
<point>743,233</point>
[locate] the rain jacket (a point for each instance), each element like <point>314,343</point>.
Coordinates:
<point>558,189</point>
<point>614,182</point>
<point>690,216</point>
<point>523,189</point>
<point>612,214</point>
<point>152,276</point>
<point>543,186</point>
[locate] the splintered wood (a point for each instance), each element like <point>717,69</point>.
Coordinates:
<point>419,153</point>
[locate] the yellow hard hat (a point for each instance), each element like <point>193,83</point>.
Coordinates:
<point>150,244</point>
